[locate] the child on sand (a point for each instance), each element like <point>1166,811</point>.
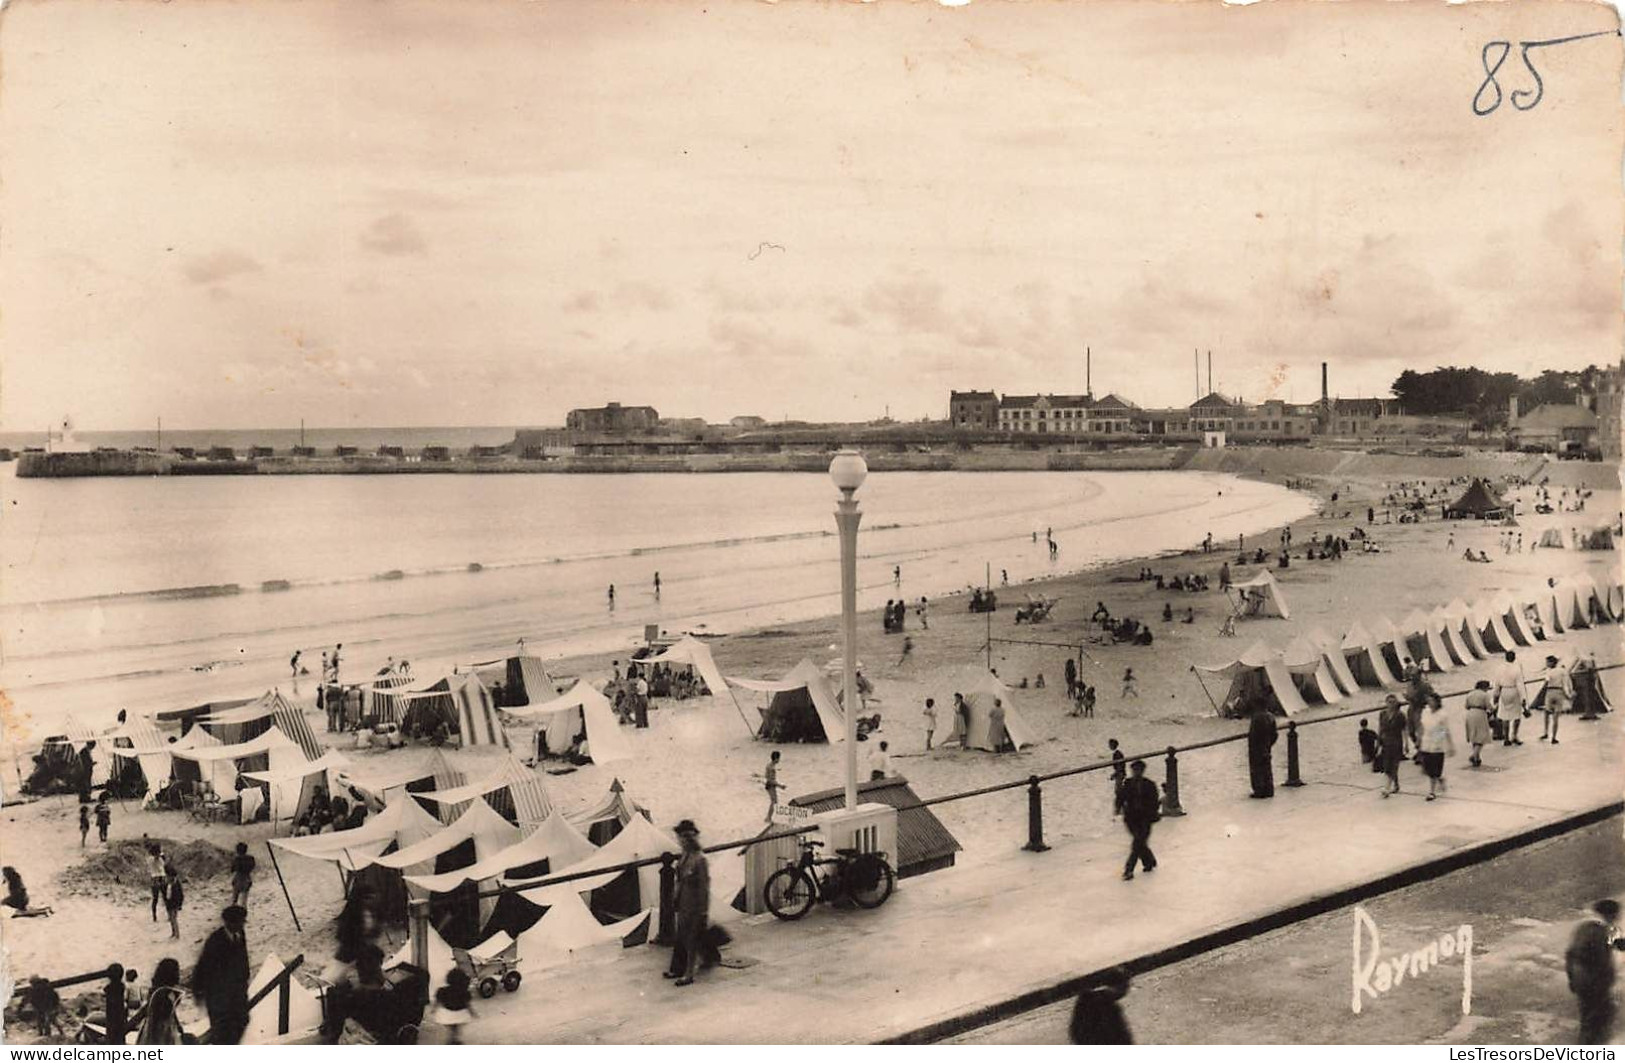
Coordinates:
<point>930,714</point>
<point>1368,746</point>
<point>1088,701</point>
<point>1131,688</point>
<point>104,817</point>
<point>84,824</point>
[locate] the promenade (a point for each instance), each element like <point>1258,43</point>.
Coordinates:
<point>966,939</point>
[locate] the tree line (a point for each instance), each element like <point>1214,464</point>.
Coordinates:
<point>1483,396</point>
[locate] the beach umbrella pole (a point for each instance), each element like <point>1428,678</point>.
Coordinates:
<point>1203,685</point>
<point>269,848</point>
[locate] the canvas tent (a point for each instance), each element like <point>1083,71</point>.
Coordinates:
<point>1331,647</point>
<point>690,650</point>
<point>583,708</point>
<point>1363,653</point>
<point>1260,596</point>
<point>610,815</point>
<point>980,687</point>
<point>290,791</point>
<point>1450,637</point>
<point>1516,622</point>
<point>1552,539</point>
<point>459,703</point>
<point>1259,674</point>
<point>254,718</point>
<point>1465,629</point>
<point>219,765</point>
<point>402,824</point>
<point>1311,672</point>
<point>138,742</point>
<point>615,894</point>
<point>801,707</point>
<point>509,788</point>
<point>553,846</point>
<point>304,1008</point>
<point>1492,629</point>
<point>569,927</point>
<point>441,959</point>
<point>1478,502</point>
<point>379,698</point>
<point>518,680</point>
<point>1424,641</point>
<point>472,838</point>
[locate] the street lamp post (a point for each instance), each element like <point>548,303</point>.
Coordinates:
<point>848,470</point>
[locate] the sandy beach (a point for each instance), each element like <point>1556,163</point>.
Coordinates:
<point>699,759</point>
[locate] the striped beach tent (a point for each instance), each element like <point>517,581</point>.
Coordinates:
<point>244,722</point>
<point>525,680</point>
<point>510,788</point>
<point>377,697</point>
<point>462,703</point>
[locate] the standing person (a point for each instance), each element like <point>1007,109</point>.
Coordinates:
<point>104,817</point>
<point>693,904</point>
<point>1261,736</point>
<point>1071,672</point>
<point>930,714</point>
<point>1590,965</point>
<point>920,614</point>
<point>1088,700</point>
<point>1509,700</point>
<point>997,736</point>
<point>1224,576</point>
<point>1004,577</point>
<point>1142,807</point>
<point>1435,744</point>
<point>160,1021</point>
<point>657,584</point>
<point>327,668</point>
<point>1097,1017</point>
<point>1479,706</point>
<point>242,875</point>
<point>640,701</point>
<point>454,1005</point>
<point>1119,776</point>
<point>897,575</point>
<point>880,763</point>
<point>156,875</point>
<point>336,650</point>
<point>115,1006</point>
<point>961,729</point>
<point>770,778</point>
<point>293,662</point>
<point>1391,733</point>
<point>1131,686</point>
<point>174,899</point>
<point>84,824</point>
<point>220,980</point>
<point>612,595</point>
<point>1557,694</point>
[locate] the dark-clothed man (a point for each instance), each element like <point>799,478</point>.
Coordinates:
<point>1142,807</point>
<point>1261,735</point>
<point>220,981</point>
<point>693,907</point>
<point>1590,963</point>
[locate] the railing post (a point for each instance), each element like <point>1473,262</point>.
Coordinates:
<point>282,1005</point>
<point>1035,817</point>
<point>418,912</point>
<point>1170,788</point>
<point>1292,776</point>
<point>667,933</point>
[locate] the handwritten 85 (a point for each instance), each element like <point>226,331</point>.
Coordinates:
<point>1487,100</point>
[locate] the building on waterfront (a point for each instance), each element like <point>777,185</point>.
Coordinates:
<point>1358,418</point>
<point>1558,427</point>
<point>974,409</point>
<point>1068,414</point>
<point>613,419</point>
<point>1610,393</point>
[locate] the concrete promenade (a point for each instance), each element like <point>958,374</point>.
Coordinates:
<point>963,940</point>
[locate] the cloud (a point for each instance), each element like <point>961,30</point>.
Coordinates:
<point>218,267</point>
<point>394,234</point>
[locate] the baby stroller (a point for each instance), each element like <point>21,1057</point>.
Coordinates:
<point>493,962</point>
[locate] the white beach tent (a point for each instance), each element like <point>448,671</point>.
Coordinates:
<point>1362,653</point>
<point>1450,636</point>
<point>980,687</point>
<point>402,824</point>
<point>1512,616</point>
<point>605,819</point>
<point>1572,598</point>
<point>1260,595</point>
<point>1332,647</point>
<point>1259,673</point>
<point>556,842</point>
<point>100,760</point>
<point>638,840</point>
<point>1552,539</point>
<point>486,833</point>
<point>565,716</point>
<point>802,699</point>
<point>1551,614</point>
<point>1311,671</point>
<point>139,739</point>
<point>217,764</point>
<point>690,650</point>
<point>441,959</point>
<point>1464,625</point>
<point>568,928</point>
<point>291,790</point>
<point>508,787</point>
<point>304,1008</point>
<point>1423,641</point>
<point>1492,628</point>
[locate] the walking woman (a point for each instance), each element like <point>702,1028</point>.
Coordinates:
<point>1436,744</point>
<point>1391,734</point>
<point>1479,707</point>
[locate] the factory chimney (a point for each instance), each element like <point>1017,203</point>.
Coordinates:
<point>1088,385</point>
<point>1325,396</point>
<point>1210,372</point>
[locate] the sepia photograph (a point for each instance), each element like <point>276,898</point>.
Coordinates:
<point>991,523</point>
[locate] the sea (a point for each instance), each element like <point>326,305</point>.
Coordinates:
<point>154,593</point>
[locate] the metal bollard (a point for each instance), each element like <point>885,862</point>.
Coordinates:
<point>667,934</point>
<point>1292,776</point>
<point>1035,817</point>
<point>1170,788</point>
<point>418,912</point>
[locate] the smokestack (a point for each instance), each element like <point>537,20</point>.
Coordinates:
<point>1210,372</point>
<point>1088,385</point>
<point>1196,364</point>
<point>1325,396</point>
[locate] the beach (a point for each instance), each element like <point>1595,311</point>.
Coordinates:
<point>699,759</point>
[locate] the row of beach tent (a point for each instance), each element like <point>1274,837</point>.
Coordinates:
<point>1316,668</point>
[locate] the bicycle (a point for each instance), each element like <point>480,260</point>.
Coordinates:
<point>866,878</point>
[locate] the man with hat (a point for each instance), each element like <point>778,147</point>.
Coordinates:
<point>1556,695</point>
<point>693,901</point>
<point>220,980</point>
<point>1590,966</point>
<point>1097,1017</point>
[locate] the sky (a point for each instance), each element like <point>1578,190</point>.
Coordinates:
<point>249,212</point>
